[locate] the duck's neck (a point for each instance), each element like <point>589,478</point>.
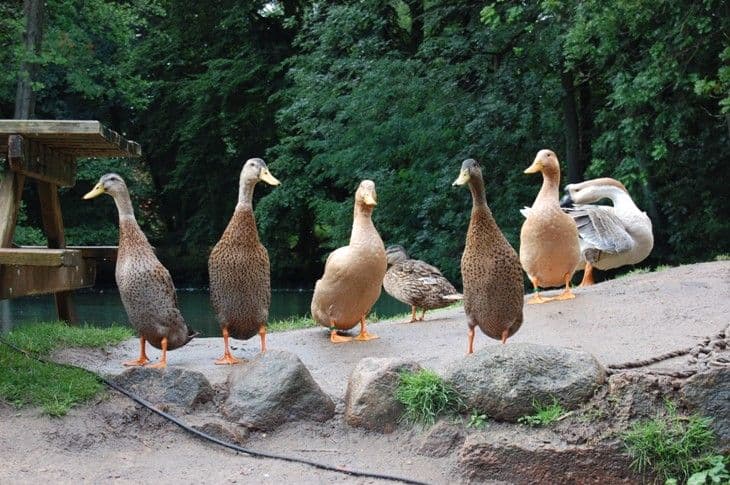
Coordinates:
<point>478,197</point>
<point>362,224</point>
<point>622,202</point>
<point>245,194</point>
<point>550,190</point>
<point>124,206</point>
<point>482,220</point>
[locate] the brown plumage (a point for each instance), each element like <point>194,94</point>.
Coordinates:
<point>145,286</point>
<point>240,286</point>
<point>416,283</point>
<point>353,274</point>
<point>490,268</point>
<point>549,246</point>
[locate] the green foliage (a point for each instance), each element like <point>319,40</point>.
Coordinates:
<point>293,323</point>
<point>43,338</point>
<point>426,396</point>
<point>477,420</point>
<point>55,388</point>
<point>671,446</point>
<point>716,472</point>
<point>545,414</point>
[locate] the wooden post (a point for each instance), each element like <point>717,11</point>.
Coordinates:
<point>11,191</point>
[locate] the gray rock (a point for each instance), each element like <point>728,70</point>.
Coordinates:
<point>272,389</point>
<point>525,455</point>
<point>708,394</point>
<point>370,401</point>
<point>504,381</point>
<point>442,439</point>
<point>180,388</point>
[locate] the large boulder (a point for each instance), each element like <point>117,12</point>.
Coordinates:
<point>370,401</point>
<point>504,381</point>
<point>272,389</point>
<point>708,393</point>
<point>180,388</point>
<point>527,455</point>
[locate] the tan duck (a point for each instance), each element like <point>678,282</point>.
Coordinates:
<point>145,286</point>
<point>240,287</point>
<point>490,269</point>
<point>416,283</point>
<point>549,247</point>
<point>610,237</point>
<point>353,274</point>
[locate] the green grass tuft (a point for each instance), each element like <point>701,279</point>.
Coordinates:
<point>671,447</point>
<point>477,420</point>
<point>43,338</point>
<point>722,257</point>
<point>24,381</point>
<point>292,323</point>
<point>544,414</point>
<point>426,396</point>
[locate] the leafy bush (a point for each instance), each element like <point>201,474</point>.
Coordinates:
<point>426,396</point>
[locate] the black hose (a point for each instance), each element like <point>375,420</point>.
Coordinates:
<point>213,439</point>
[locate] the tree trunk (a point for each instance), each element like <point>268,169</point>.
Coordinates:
<point>586,128</point>
<point>25,97</point>
<point>572,133</point>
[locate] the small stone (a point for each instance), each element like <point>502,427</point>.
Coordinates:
<point>708,393</point>
<point>174,386</point>
<point>442,439</point>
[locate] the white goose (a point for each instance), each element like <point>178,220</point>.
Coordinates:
<point>610,237</point>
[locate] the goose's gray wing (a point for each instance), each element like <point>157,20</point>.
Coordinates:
<point>601,228</point>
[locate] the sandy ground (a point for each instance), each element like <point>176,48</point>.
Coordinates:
<point>621,320</point>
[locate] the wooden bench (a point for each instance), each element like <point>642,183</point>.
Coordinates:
<point>47,151</point>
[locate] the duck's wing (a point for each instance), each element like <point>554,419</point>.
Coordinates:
<point>601,228</point>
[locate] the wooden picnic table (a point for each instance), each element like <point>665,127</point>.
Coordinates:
<point>47,151</point>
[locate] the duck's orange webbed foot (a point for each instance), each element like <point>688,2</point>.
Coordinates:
<point>163,358</point>
<point>536,298</point>
<point>470,349</point>
<point>143,359</point>
<point>566,294</point>
<point>335,338</point>
<point>587,276</point>
<point>413,315</point>
<point>228,358</point>
<point>364,335</point>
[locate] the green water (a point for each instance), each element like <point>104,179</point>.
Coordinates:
<point>102,308</point>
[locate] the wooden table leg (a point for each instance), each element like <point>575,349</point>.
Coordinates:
<point>11,191</point>
<point>53,227</point>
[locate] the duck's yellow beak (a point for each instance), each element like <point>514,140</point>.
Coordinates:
<point>266,176</point>
<point>535,167</point>
<point>462,178</point>
<point>95,192</point>
<point>369,199</point>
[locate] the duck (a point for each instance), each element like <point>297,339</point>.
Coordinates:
<point>353,274</point>
<point>145,286</point>
<point>610,237</point>
<point>549,246</point>
<point>490,268</point>
<point>416,283</point>
<point>238,266</point>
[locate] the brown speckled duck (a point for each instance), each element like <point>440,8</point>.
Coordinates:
<point>145,286</point>
<point>549,247</point>
<point>416,283</point>
<point>240,287</point>
<point>490,269</point>
<point>353,274</point>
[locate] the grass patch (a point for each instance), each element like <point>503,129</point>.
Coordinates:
<point>672,446</point>
<point>292,323</point>
<point>26,382</point>
<point>544,414</point>
<point>477,420</point>
<point>722,257</point>
<point>426,396</point>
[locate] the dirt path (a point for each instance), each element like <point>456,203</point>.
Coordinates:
<point>621,320</point>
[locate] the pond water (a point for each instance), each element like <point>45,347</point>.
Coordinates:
<point>103,308</point>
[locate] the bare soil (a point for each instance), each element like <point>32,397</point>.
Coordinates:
<point>112,439</point>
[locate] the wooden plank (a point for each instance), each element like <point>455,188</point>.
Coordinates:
<point>17,281</point>
<point>74,137</point>
<point>40,257</point>
<point>104,253</point>
<point>35,160</point>
<point>11,191</point>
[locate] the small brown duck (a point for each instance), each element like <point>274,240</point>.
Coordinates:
<point>416,283</point>
<point>490,269</point>
<point>145,286</point>
<point>549,246</point>
<point>240,286</point>
<point>353,274</point>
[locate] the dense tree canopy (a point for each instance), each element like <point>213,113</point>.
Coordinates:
<point>398,91</point>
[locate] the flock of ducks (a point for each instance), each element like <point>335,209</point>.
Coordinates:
<point>555,242</point>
